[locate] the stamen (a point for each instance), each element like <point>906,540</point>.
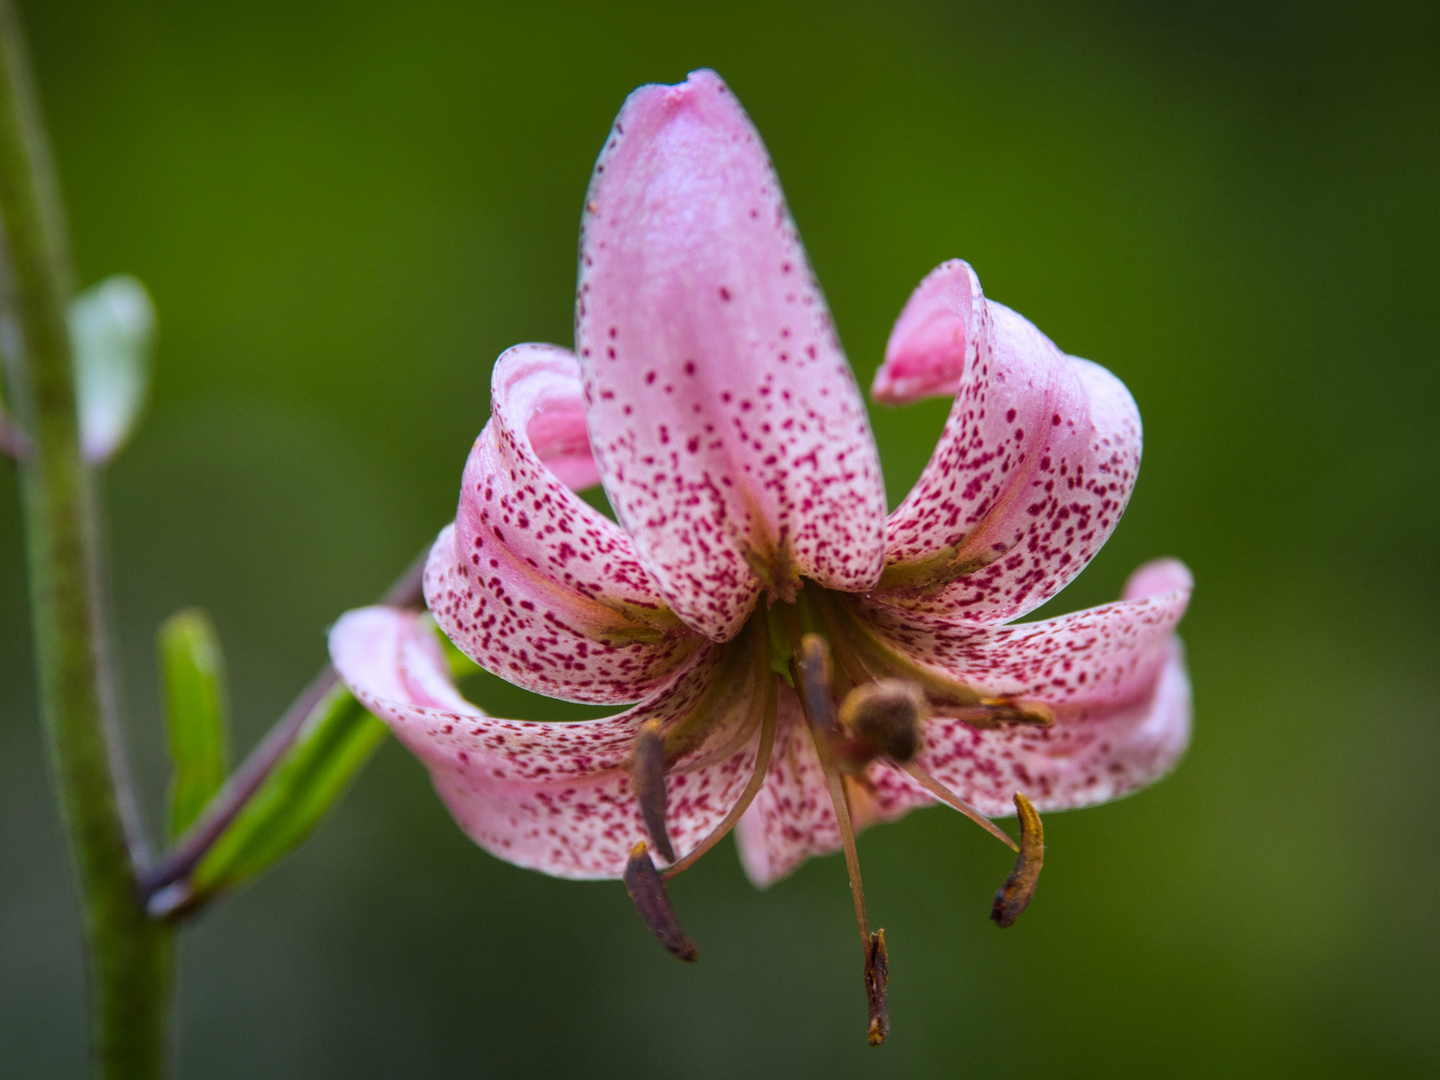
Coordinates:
<point>812,663</point>
<point>647,892</point>
<point>860,647</point>
<point>883,719</point>
<point>945,795</point>
<point>991,713</point>
<point>877,983</point>
<point>816,682</point>
<point>757,780</point>
<point>647,773</point>
<point>1015,895</point>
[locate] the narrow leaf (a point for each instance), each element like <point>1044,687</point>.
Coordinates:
<point>193,673</point>
<point>112,330</point>
<point>337,739</point>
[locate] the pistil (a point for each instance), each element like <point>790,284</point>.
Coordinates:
<point>814,679</point>
<point>882,719</point>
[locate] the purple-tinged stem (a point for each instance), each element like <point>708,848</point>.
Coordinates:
<point>181,860</point>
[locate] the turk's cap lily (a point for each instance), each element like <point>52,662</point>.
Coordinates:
<point>787,660</point>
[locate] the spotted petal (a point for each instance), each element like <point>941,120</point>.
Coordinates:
<point>1091,755</point>
<point>940,334</point>
<point>1031,474</point>
<point>1113,675</point>
<point>731,437</point>
<point>554,797</point>
<point>531,582</point>
<point>1107,654</point>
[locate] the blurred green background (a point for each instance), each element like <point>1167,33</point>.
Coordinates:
<point>345,211</point>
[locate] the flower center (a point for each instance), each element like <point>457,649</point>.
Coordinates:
<point>863,702</point>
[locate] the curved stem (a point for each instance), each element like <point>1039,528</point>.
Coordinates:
<point>130,961</point>
<point>247,779</point>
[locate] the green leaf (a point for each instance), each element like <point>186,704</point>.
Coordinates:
<point>112,330</point>
<point>193,673</point>
<point>335,742</point>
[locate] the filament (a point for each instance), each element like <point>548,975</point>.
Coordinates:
<point>757,780</point>
<point>945,795</point>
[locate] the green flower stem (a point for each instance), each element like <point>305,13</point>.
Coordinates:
<point>231,801</point>
<point>130,958</point>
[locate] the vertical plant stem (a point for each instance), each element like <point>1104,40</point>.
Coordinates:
<point>130,960</point>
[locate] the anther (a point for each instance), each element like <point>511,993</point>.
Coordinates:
<point>812,662</point>
<point>647,892</point>
<point>647,774</point>
<point>877,982</point>
<point>991,713</point>
<point>883,720</point>
<point>1015,895</point>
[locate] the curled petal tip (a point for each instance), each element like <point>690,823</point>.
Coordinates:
<point>1030,477</point>
<point>942,326</point>
<point>1157,577</point>
<point>532,583</point>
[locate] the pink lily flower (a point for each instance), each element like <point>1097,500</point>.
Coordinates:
<point>797,663</point>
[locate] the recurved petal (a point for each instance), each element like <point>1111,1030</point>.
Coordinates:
<point>1114,677</point>
<point>940,334</point>
<point>552,797</point>
<point>1104,655</point>
<point>1157,577</point>
<point>1031,474</point>
<point>531,582</point>
<point>557,432</point>
<point>1091,754</point>
<point>731,437</point>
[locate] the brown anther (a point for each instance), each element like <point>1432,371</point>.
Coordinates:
<point>647,775</point>
<point>877,982</point>
<point>1021,711</point>
<point>816,685</point>
<point>647,892</point>
<point>1015,895</point>
<point>995,712</point>
<point>883,719</point>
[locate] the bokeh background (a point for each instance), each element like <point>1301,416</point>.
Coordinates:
<point>345,211</point>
